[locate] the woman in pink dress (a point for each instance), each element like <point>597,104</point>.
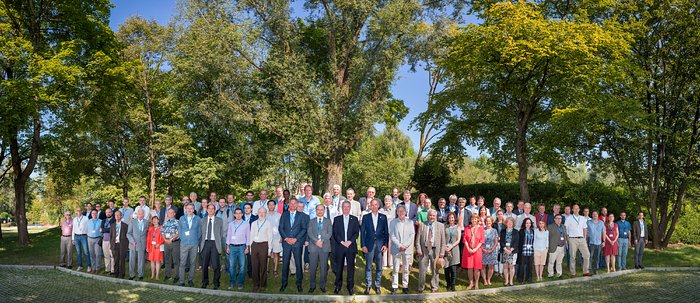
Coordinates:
<point>610,235</point>
<point>471,256</point>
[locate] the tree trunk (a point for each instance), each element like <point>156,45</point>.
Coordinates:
<point>334,172</point>
<point>151,151</point>
<point>21,213</point>
<point>21,176</point>
<point>315,176</point>
<point>521,157</point>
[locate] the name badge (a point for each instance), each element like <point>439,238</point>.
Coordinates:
<point>562,238</point>
<point>153,242</point>
<point>319,237</point>
<point>233,238</point>
<point>611,235</point>
<point>624,233</point>
<point>187,233</point>
<point>167,236</point>
<point>508,244</point>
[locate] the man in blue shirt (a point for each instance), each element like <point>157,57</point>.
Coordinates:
<point>94,235</point>
<point>189,232</point>
<point>595,239</point>
<point>624,227</point>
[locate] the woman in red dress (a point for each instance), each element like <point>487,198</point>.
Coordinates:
<point>153,242</point>
<point>610,245</point>
<point>471,255</point>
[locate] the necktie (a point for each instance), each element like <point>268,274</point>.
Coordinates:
<point>318,227</point>
<point>430,236</point>
<point>291,219</point>
<point>328,213</point>
<point>209,230</point>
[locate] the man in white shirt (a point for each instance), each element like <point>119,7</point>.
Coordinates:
<point>509,213</point>
<point>355,207</point>
<point>329,212</point>
<point>577,230</point>
<point>402,234</point>
<point>146,209</point>
<point>337,198</point>
<point>262,203</point>
<point>79,238</point>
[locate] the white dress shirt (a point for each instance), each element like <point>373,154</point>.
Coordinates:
<point>79,226</point>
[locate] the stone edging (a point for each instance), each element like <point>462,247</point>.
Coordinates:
<point>342,298</point>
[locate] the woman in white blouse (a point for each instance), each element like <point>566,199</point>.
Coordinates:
<point>273,219</point>
<point>260,242</point>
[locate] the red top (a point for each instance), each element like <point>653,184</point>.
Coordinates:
<point>154,235</point>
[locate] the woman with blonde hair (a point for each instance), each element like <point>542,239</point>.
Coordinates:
<point>472,254</point>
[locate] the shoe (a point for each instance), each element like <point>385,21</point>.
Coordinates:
<point>641,267</point>
<point>181,285</point>
<point>393,291</point>
<point>378,290</point>
<point>240,287</point>
<point>311,290</point>
<point>306,267</point>
<point>420,291</point>
<point>229,287</point>
<point>351,291</point>
<point>204,286</point>
<point>175,280</point>
<point>299,289</point>
<point>89,269</point>
<point>70,267</point>
<point>62,265</point>
<point>336,290</point>
<point>282,288</point>
<point>165,279</point>
<point>587,274</point>
<point>405,291</point>
<point>131,278</point>
<point>216,287</point>
<point>367,291</point>
<point>190,283</point>
<point>81,268</point>
<point>140,278</point>
<point>323,290</point>
<point>549,277</point>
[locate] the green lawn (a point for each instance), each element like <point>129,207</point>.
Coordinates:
<point>45,250</point>
<point>41,285</point>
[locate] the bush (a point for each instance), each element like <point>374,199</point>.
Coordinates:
<point>592,195</point>
<point>687,227</point>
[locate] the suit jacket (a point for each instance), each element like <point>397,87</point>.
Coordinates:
<point>339,232</point>
<point>137,236</point>
<point>515,240</point>
<point>219,234</point>
<point>252,219</point>
<point>162,214</point>
<point>364,203</point>
<point>370,235</point>
<point>123,239</point>
<point>637,230</point>
<point>554,236</point>
<point>297,231</point>
<point>405,236</point>
<point>412,213</point>
<point>440,241</point>
<point>326,232</point>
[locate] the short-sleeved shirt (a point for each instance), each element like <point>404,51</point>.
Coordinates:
<point>624,227</point>
<point>595,231</point>
<point>575,226</point>
<point>170,228</point>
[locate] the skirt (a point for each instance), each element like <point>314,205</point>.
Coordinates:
<point>509,259</point>
<point>540,257</point>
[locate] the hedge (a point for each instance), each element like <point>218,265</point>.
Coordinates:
<point>591,195</point>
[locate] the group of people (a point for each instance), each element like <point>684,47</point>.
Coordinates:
<point>313,235</point>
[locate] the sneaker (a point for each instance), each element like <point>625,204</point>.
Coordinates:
<point>89,269</point>
<point>79,268</point>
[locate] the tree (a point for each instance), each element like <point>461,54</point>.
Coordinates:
<point>506,76</point>
<point>328,77</point>
<point>647,129</point>
<point>45,48</point>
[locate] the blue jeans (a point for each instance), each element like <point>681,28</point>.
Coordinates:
<point>82,245</point>
<point>237,260</point>
<point>373,255</point>
<point>623,247</point>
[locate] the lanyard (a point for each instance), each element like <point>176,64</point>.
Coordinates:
<point>575,219</point>
<point>235,228</point>
<point>260,226</point>
<point>452,231</point>
<point>94,226</point>
<point>189,221</point>
<point>79,220</point>
<point>561,231</point>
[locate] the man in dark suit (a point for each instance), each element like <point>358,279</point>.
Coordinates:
<point>164,210</point>
<point>292,227</point>
<point>411,208</point>
<point>210,245</point>
<point>119,244</point>
<point>375,240</point>
<point>319,236</point>
<point>640,236</point>
<point>346,229</point>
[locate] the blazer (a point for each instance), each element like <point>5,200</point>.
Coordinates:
<point>326,232</point>
<point>405,236</point>
<point>163,214</point>
<point>364,203</point>
<point>637,230</point>
<point>412,213</point>
<point>123,239</point>
<point>297,231</point>
<point>521,239</point>
<point>453,255</point>
<point>440,241</point>
<point>370,235</point>
<point>219,234</point>
<point>514,242</point>
<point>136,236</point>
<point>339,232</point>
<point>554,236</point>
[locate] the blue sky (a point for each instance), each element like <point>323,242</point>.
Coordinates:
<point>410,87</point>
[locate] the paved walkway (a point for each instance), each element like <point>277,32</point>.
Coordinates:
<point>341,298</point>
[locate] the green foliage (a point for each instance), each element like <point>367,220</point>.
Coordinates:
<point>431,175</point>
<point>383,161</point>
<point>592,195</point>
<point>687,228</point>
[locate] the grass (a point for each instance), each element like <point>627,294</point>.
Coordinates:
<point>42,285</point>
<point>44,250</point>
